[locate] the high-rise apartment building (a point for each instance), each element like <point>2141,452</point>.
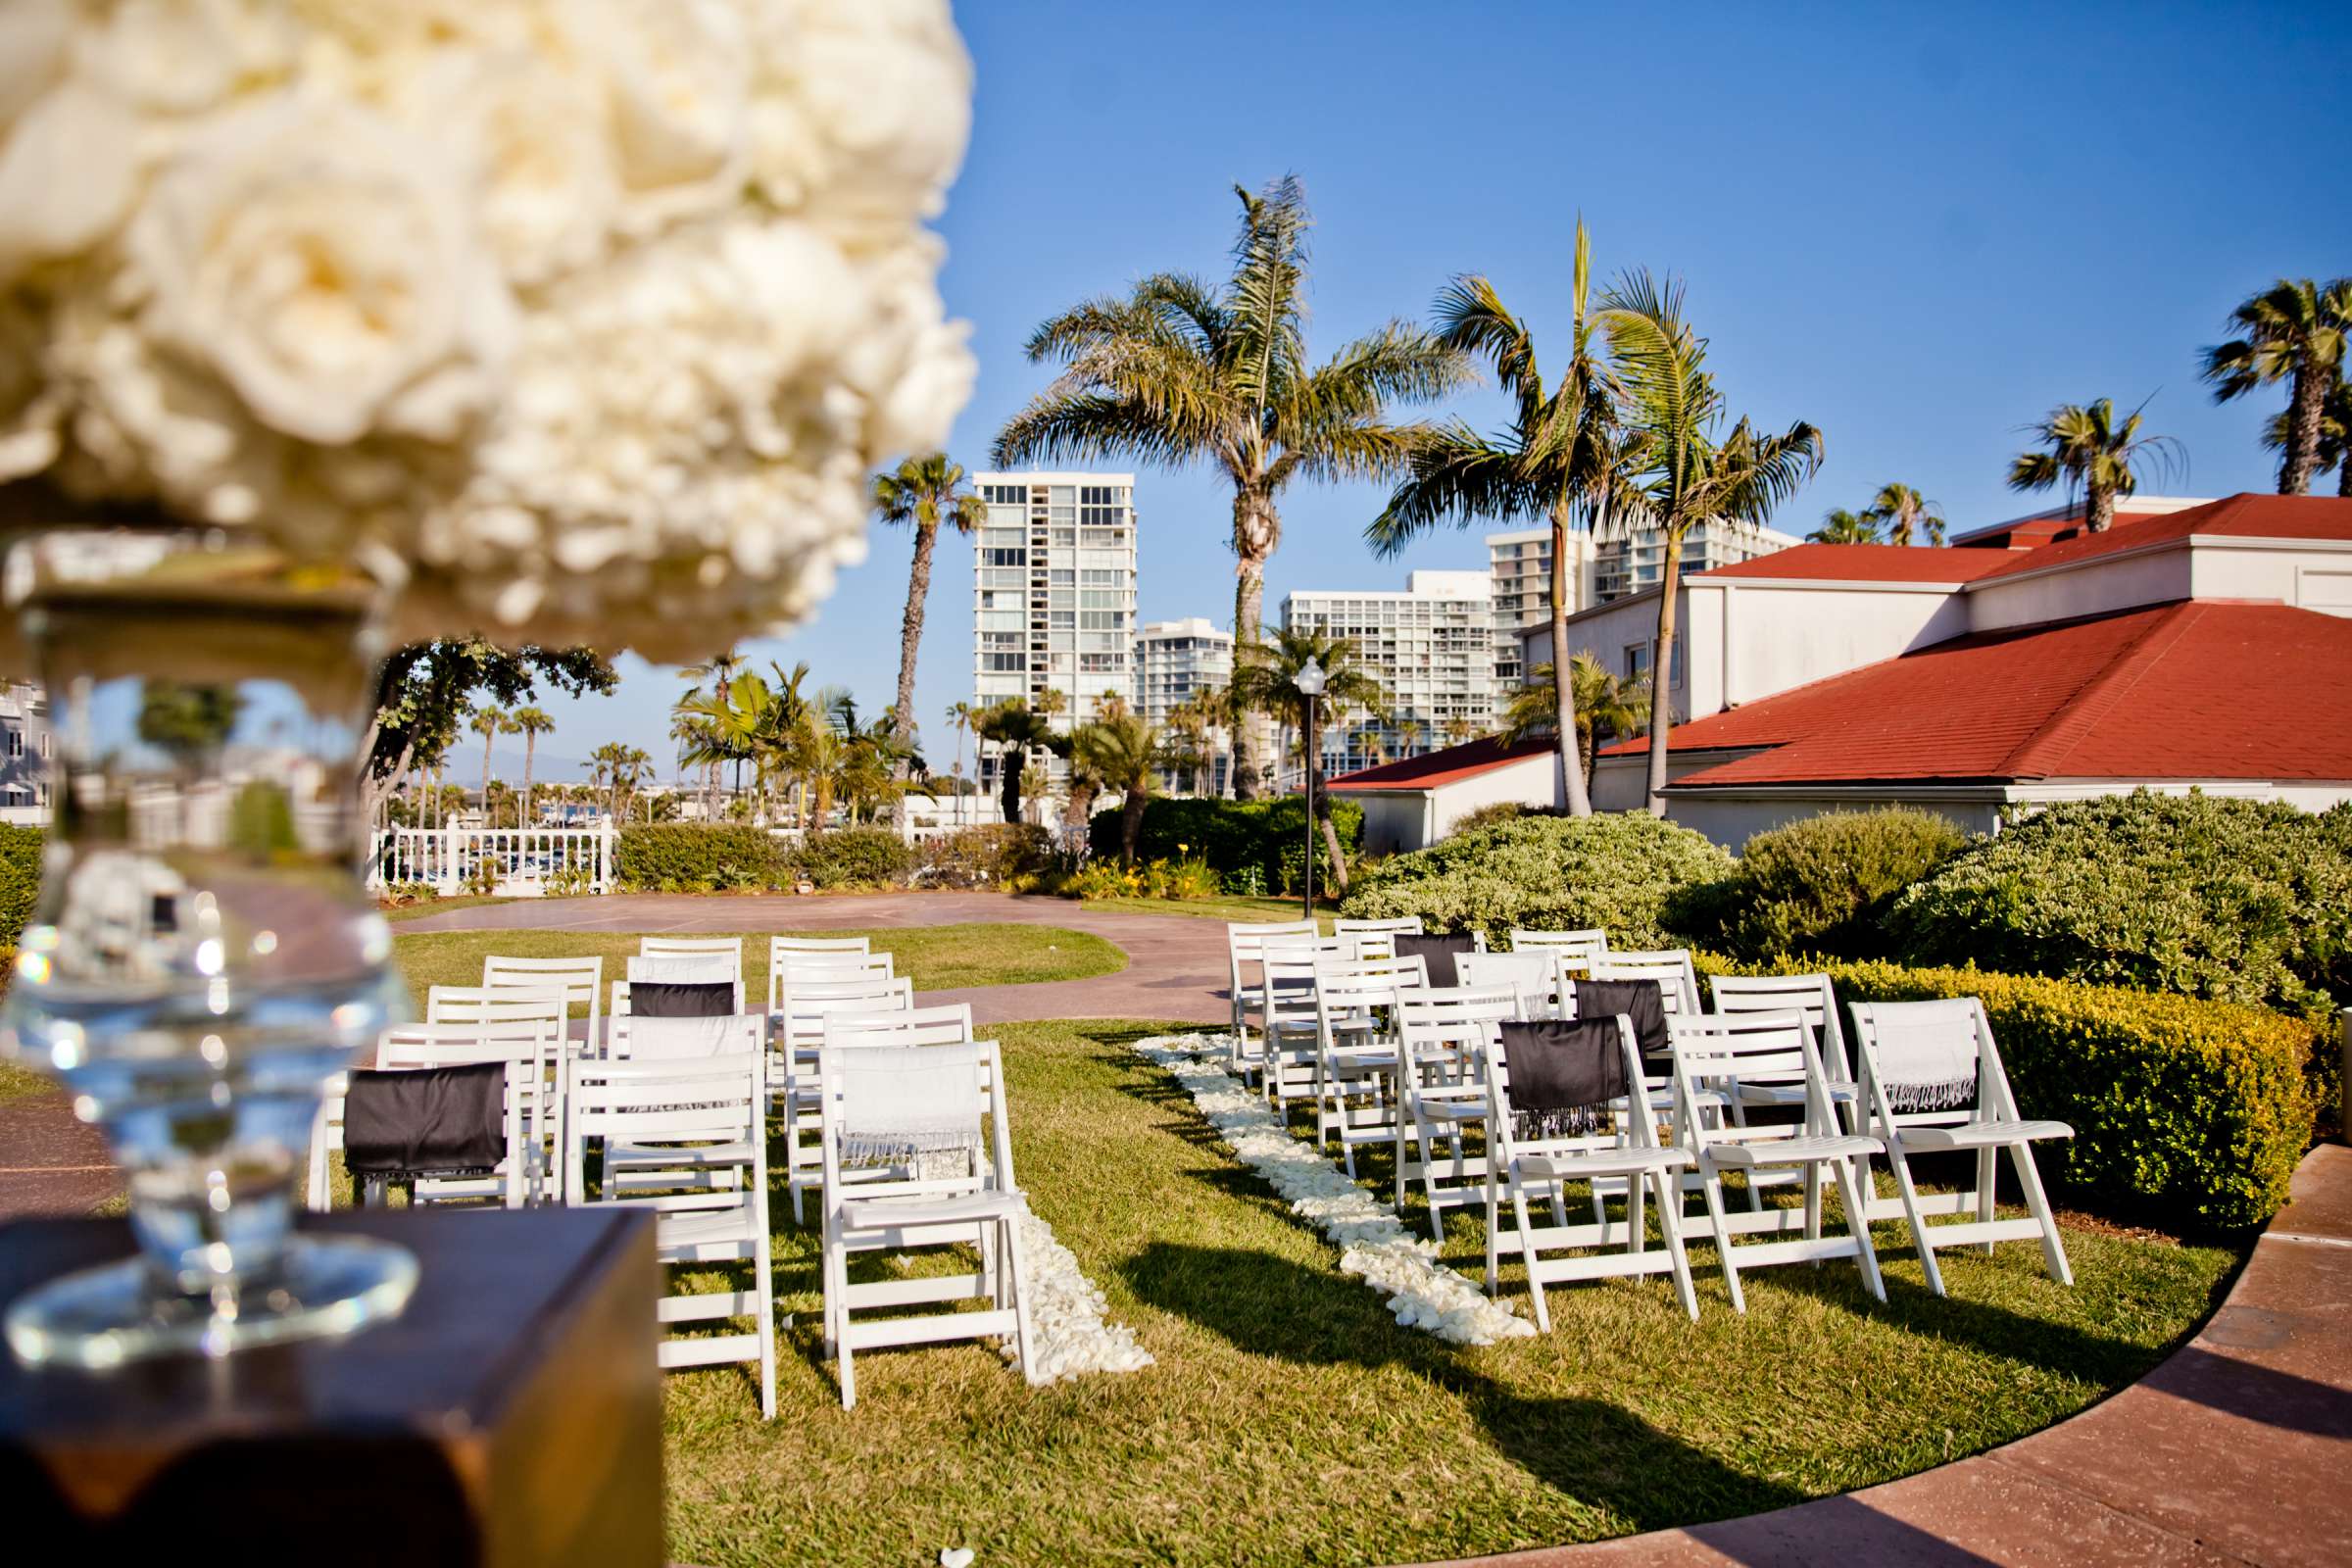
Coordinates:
<point>1054,594</point>
<point>1432,648</point>
<point>1174,659</point>
<point>1629,565</point>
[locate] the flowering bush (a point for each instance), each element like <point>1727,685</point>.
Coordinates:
<point>584,323</point>
<point>1627,872</point>
<point>1153,879</point>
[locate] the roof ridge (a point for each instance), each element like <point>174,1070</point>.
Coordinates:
<point>2097,698</point>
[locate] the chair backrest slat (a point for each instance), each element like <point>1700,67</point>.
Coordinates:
<point>1672,969</point>
<point>1809,994</point>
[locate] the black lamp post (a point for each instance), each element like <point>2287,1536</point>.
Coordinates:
<point>1310,682</point>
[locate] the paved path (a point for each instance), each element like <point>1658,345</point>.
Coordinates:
<point>2237,1449</point>
<point>1176,965</point>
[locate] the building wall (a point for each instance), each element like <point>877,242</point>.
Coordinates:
<point>2119,583</point>
<point>1054,588</point>
<point>1173,660</point>
<point>2306,573</point>
<point>1399,820</point>
<point>23,755</point>
<point>1431,647</point>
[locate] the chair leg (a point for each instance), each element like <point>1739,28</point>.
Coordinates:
<point>1984,1169</point>
<point>766,1325</point>
<point>2029,1179</point>
<point>1711,1188</point>
<point>1909,1194</point>
<point>1857,1223</point>
<point>1675,1253</point>
<point>1527,1256</point>
<point>1637,1216</point>
<point>1493,1220</point>
<point>1014,1267</point>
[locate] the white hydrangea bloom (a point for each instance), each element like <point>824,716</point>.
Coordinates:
<point>580,319</point>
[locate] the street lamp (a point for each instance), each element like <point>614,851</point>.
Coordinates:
<point>1310,681</point>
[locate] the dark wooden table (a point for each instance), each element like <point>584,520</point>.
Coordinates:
<point>511,1416</point>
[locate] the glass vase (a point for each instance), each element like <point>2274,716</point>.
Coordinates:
<point>203,956</point>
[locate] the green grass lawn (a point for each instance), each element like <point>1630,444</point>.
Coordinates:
<point>1289,1420</point>
<point>937,958</point>
<point>1221,907</point>
<point>17,1082</point>
<point>425,907</point>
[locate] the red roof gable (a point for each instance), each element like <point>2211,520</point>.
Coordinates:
<point>2244,516</point>
<point>1431,769</point>
<point>1863,564</point>
<point>2191,689</point>
<point>2030,533</point>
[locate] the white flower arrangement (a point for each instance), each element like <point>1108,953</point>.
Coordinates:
<point>1373,1243</point>
<point>576,319</point>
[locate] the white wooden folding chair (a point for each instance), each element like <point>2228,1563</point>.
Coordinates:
<point>693,971</point>
<point>533,1115</point>
<point>498,1005</point>
<point>705,1211</point>
<point>1244,956</point>
<point>1356,1061</point>
<point>1932,1083</point>
<point>795,1032</point>
<point>581,980</point>
<point>1722,1050</point>
<point>636,1039</point>
<point>822,959</point>
<point>725,949</point>
<point>1579,948</point>
<point>1812,996</point>
<point>1444,1033</point>
<point>1377,939</point>
<point>1671,967</point>
<point>926,1128</point>
<point>1611,1139</point>
<point>949,1024</point>
<point>1533,976</point>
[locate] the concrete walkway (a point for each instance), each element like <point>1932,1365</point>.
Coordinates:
<point>2237,1449</point>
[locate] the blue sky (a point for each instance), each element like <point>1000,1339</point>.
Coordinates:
<point>1917,227</point>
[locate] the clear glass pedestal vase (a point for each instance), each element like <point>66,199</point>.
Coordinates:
<point>203,957</point>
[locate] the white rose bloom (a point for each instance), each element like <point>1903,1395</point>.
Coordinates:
<point>179,56</point>
<point>679,75</point>
<point>540,147</point>
<point>322,262</point>
<point>68,175</point>
<point>33,40</point>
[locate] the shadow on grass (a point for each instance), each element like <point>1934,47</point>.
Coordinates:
<point>1589,1449</point>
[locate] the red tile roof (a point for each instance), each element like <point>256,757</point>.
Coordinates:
<point>2029,534</point>
<point>1432,769</point>
<point>2243,516</point>
<point>1864,563</point>
<point>2190,689</point>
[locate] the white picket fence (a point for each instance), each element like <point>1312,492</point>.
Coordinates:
<point>523,861</point>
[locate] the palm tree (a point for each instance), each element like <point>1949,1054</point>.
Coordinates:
<point>619,767</point>
<point>1564,456</point>
<point>1686,476</point>
<point>1122,753</point>
<point>2293,331</point>
<point>960,719</point>
<point>922,494</point>
<point>1408,736</point>
<point>489,723</point>
<point>531,723</point>
<point>1014,729</point>
<point>1265,680</point>
<point>1460,731</point>
<point>1177,372</point>
<point>1839,526</point>
<point>1606,707</point>
<point>2087,448</point>
<point>2335,436</point>
<point>1906,514</point>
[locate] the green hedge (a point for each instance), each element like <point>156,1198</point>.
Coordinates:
<point>693,856</point>
<point>2242,901</point>
<point>1823,884</point>
<point>20,880</point>
<point>1627,872</point>
<point>984,857</point>
<point>2187,1113</point>
<point>854,857</point>
<point>1233,836</point>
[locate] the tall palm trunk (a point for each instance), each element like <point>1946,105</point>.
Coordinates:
<point>2098,508</point>
<point>1131,823</point>
<point>487,741</point>
<point>1661,668</point>
<point>1255,528</point>
<point>1573,792</point>
<point>910,638</point>
<point>2304,411</point>
<point>531,749</point>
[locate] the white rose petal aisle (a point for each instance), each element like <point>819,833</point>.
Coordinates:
<point>1065,1313</point>
<point>1373,1243</point>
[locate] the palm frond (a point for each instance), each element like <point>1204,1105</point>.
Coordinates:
<point>1456,474</point>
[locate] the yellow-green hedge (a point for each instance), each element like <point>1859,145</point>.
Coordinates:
<point>2187,1113</point>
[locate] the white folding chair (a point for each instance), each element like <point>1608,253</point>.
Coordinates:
<point>1722,1049</point>
<point>1245,954</point>
<point>1932,1083</point>
<point>726,949</point>
<point>1671,967</point>
<point>1444,1033</point>
<point>636,1039</point>
<point>581,980</point>
<point>822,959</point>
<point>1356,1061</point>
<point>1612,1140</point>
<point>950,1024</point>
<point>693,971</point>
<point>1533,976</point>
<point>705,1211</point>
<point>1810,995</point>
<point>533,1114</point>
<point>497,1005</point>
<point>1376,939</point>
<point>1579,948</point>
<point>927,1130</point>
<point>795,1032</point>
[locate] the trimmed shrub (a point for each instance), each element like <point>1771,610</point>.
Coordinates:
<point>1153,879</point>
<point>985,856</point>
<point>1233,837</point>
<point>2241,901</point>
<point>2187,1113</point>
<point>1626,871</point>
<point>854,856</point>
<point>19,879</point>
<point>693,856</point>
<point>1823,884</point>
